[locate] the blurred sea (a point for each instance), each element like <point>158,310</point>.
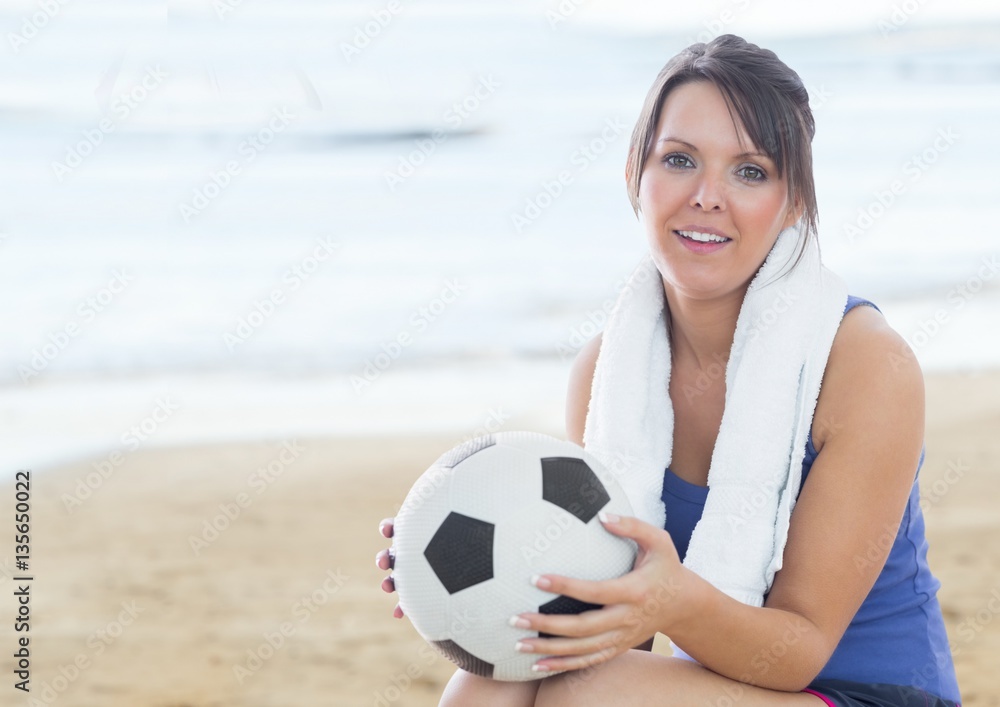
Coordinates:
<point>299,188</point>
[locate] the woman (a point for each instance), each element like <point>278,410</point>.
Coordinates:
<point>719,165</point>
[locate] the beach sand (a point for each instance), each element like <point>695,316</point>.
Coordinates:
<point>277,603</point>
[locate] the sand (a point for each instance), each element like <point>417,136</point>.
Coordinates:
<point>188,578</point>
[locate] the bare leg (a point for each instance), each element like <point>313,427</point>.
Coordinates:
<point>468,690</point>
<point>641,678</point>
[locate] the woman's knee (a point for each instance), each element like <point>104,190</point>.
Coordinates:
<point>571,687</point>
<point>639,677</point>
<point>635,673</point>
<point>467,689</point>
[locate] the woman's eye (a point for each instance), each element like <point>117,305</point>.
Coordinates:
<point>675,160</point>
<point>752,174</point>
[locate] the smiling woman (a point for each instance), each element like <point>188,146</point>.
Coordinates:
<point>702,192</point>
<point>719,172</point>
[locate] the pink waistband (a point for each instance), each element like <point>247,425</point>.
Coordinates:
<point>822,697</point>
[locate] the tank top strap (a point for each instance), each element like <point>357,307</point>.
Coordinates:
<point>853,302</point>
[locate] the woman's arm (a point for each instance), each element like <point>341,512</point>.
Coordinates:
<point>869,430</point>
<point>581,377</point>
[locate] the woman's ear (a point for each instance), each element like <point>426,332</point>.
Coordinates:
<point>793,215</point>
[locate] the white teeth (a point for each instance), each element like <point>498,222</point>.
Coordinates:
<point>703,237</point>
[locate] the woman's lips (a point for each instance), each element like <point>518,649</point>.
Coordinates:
<point>699,246</point>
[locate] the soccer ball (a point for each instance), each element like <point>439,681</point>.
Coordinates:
<point>482,520</point>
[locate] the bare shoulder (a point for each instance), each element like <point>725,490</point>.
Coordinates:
<point>581,377</point>
<point>871,373</point>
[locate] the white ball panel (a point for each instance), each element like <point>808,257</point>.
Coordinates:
<point>493,603</point>
<point>491,482</point>
<point>557,542</point>
<point>537,444</point>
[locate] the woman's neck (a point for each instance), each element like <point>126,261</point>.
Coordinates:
<point>701,331</point>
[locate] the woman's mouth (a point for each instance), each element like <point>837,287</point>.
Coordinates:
<point>701,242</point>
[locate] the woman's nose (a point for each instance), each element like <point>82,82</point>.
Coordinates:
<point>708,194</point>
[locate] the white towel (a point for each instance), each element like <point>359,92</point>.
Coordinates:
<point>783,337</point>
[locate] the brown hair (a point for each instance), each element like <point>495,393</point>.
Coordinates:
<point>766,96</point>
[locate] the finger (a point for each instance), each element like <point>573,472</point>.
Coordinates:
<point>397,612</point>
<point>386,526</point>
<point>388,585</point>
<point>645,535</point>
<point>385,559</point>
<point>579,662</point>
<point>606,591</point>
<point>586,623</point>
<point>572,646</point>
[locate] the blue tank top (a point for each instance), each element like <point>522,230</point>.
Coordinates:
<point>898,635</point>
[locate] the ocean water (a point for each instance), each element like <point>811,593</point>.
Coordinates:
<point>322,218</point>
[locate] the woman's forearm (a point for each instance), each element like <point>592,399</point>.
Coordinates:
<point>772,648</point>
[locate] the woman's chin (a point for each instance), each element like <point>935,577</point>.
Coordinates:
<point>702,286</point>
<point>701,282</point>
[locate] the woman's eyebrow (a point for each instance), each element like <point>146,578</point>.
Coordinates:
<point>742,155</point>
<point>752,154</point>
<point>675,139</point>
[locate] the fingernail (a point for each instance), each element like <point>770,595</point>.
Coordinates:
<point>541,582</point>
<point>540,668</point>
<point>523,647</point>
<point>518,622</point>
<point>608,517</point>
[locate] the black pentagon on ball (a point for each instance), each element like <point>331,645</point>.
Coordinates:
<point>573,486</point>
<point>461,552</point>
<point>564,605</point>
<point>463,659</point>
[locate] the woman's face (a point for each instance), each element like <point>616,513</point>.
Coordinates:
<point>704,179</point>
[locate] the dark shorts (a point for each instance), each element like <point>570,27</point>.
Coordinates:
<point>841,693</point>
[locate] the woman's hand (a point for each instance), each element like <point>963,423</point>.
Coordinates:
<point>635,605</point>
<point>384,561</point>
